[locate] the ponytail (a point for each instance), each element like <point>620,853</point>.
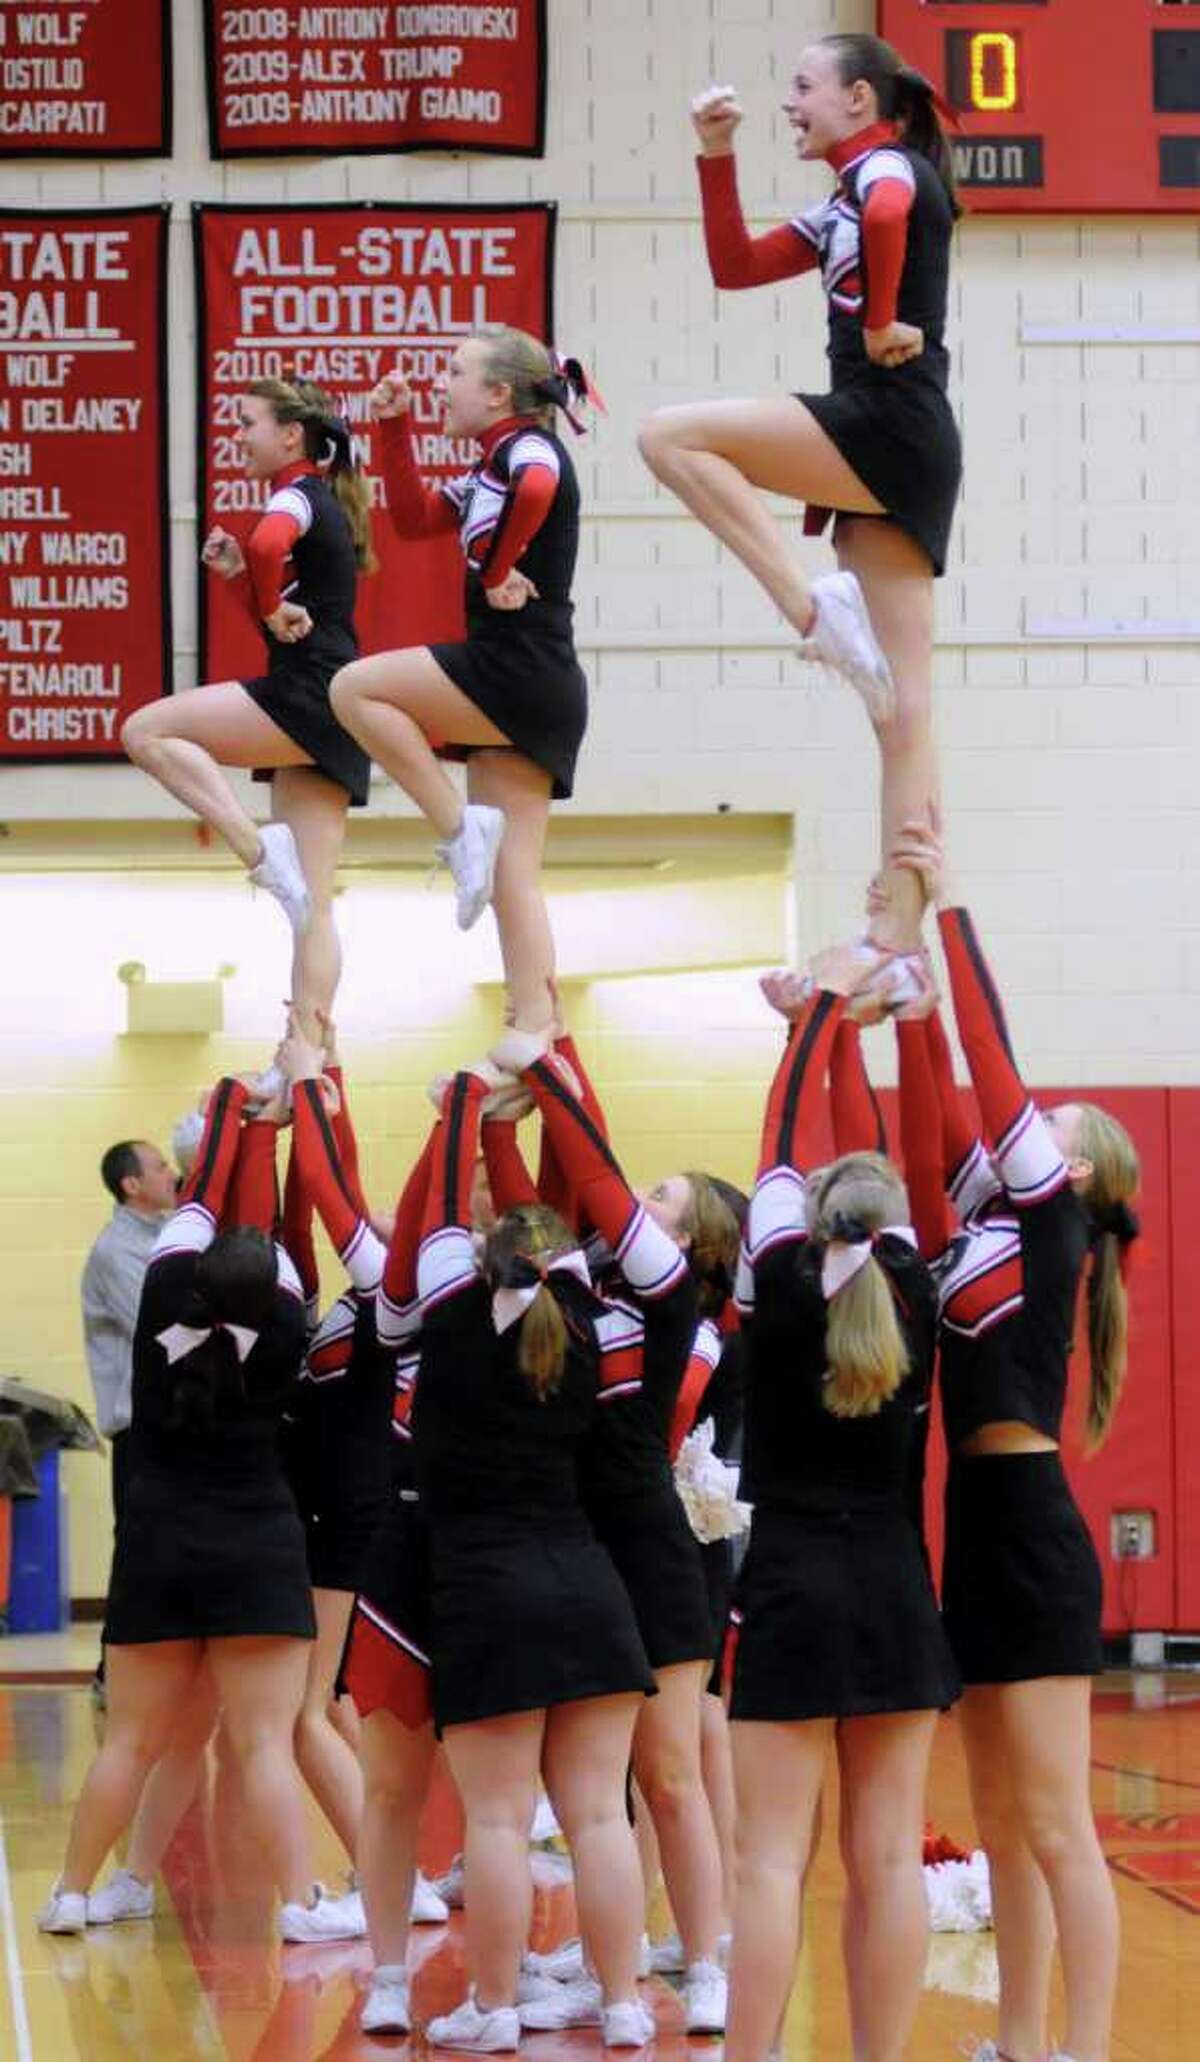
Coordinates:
<point>327,445</point>
<point>864,1345</point>
<point>867,1358</point>
<point>1112,1228</point>
<point>903,94</point>
<point>542,1349</point>
<point>234,1282</point>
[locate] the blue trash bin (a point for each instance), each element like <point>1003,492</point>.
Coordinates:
<point>39,1599</point>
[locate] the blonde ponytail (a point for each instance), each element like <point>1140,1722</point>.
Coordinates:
<point>542,1352</point>
<point>303,402</point>
<point>864,1345</point>
<point>1110,1187</point>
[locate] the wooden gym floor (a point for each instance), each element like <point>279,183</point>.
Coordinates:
<point>205,1980</point>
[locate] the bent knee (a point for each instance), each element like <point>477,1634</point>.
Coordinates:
<point>346,688</point>
<point>657,436</point>
<point>137,733</point>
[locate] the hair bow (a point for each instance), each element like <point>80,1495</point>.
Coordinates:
<point>180,1340</point>
<point>1120,1220</point>
<point>525,1277</point>
<point>337,451</point>
<point>849,1248</point>
<point>570,383</point>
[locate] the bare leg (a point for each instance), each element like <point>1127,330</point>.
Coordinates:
<point>1021,1905</point>
<point>647,1846</point>
<point>184,740</point>
<point>666,1762</point>
<point>714,454</point>
<point>779,1770</point>
<point>399,705</point>
<point>584,1760</point>
<point>328,1765</point>
<point>884,1765</point>
<point>397,1762</point>
<point>171,1784</point>
<point>260,1685</point>
<point>147,1687</point>
<point>495,1764</point>
<point>315,810</point>
<point>716,1759</point>
<point>897,581</point>
<point>1047,1738</point>
<point>508,781</point>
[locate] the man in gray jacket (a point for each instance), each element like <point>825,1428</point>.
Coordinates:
<point>142,1184</point>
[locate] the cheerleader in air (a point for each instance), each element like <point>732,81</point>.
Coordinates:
<point>1043,1202</point>
<point>297,576</point>
<point>512,698</point>
<point>210,1584</point>
<point>881,451</point>
<point>837,1639</point>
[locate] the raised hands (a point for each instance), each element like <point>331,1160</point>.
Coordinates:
<point>222,554</point>
<point>715,116</point>
<point>392,396</point>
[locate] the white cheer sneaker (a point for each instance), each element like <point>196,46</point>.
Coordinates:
<point>323,1917</point>
<point>124,1896</point>
<point>429,1908</point>
<point>627,2024</point>
<point>471,857</point>
<point>563,2004</point>
<point>385,2007</point>
<point>65,1911</point>
<point>705,1998</point>
<point>468,2026</point>
<point>841,636</point>
<point>280,873</point>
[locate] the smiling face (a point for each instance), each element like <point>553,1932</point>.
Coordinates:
<point>821,110</point>
<point>266,445</point>
<point>473,401</point>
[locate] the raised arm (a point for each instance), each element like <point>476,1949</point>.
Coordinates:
<point>361,1253</point>
<point>969,1179</point>
<point>735,258</point>
<point>415,509</point>
<point>790,1140</point>
<point>921,1141</point>
<point>193,1225</point>
<point>1030,1164</point>
<point>651,1262</point>
<point>254,1190</point>
<point>509,1179</point>
<point>857,1118</point>
<point>397,1311</point>
<point>446,1263</point>
<point>344,1132</point>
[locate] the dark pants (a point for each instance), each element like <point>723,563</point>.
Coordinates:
<point>119,1447</point>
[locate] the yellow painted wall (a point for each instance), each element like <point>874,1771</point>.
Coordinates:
<point>681,1058</point>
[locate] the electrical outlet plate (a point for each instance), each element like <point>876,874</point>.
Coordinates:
<point>1133,1535</point>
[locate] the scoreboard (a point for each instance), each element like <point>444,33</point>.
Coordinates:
<point>1064,106</point>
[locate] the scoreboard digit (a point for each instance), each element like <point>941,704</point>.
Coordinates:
<point>1064,106</point>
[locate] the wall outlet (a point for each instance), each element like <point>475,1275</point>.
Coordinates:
<point>1133,1535</point>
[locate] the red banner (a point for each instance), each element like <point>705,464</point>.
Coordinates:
<point>338,295</point>
<point>84,591</point>
<point>85,78</point>
<point>291,79</point>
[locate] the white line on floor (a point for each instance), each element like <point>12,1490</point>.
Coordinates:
<point>12,1959</point>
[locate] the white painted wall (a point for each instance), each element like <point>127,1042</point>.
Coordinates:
<point>1070,760</point>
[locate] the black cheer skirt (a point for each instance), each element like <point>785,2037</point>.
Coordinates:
<point>525,678</point>
<point>222,1560</point>
<point>1021,1584</point>
<point>342,1487</point>
<point>527,1616</point>
<point>659,1560</point>
<point>902,441</point>
<point>296,698</point>
<point>838,1619</point>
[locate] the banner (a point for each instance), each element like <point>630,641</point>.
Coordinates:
<point>294,80</point>
<point>84,590</point>
<point>339,295</point>
<point>85,78</point>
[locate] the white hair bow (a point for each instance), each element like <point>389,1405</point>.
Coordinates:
<point>844,1258</point>
<point>179,1340</point>
<point>512,1301</point>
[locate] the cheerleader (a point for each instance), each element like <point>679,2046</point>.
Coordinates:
<point>882,450</point>
<point>839,1640</point>
<point>511,699</point>
<point>538,1663</point>
<point>1045,1201</point>
<point>297,578</point>
<point>210,1565</point>
<point>627,1482</point>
